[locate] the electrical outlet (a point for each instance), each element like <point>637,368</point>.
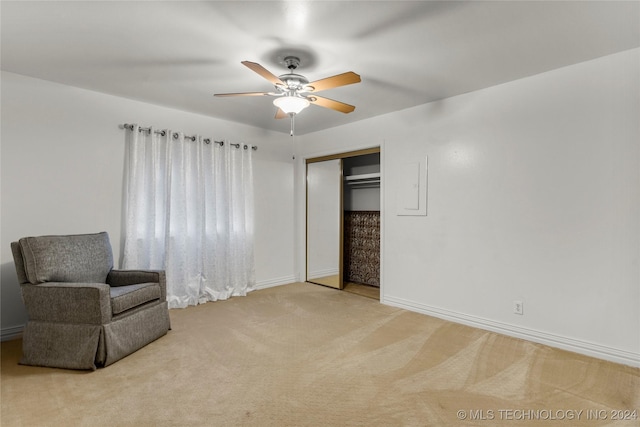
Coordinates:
<point>517,307</point>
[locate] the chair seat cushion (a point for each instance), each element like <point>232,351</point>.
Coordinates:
<point>124,298</point>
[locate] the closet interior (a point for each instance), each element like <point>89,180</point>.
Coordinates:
<point>343,221</point>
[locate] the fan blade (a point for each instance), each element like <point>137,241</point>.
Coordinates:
<point>330,103</point>
<point>281,114</point>
<point>254,66</point>
<point>242,94</point>
<point>330,82</point>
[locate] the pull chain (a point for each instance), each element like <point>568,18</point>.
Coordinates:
<point>293,137</point>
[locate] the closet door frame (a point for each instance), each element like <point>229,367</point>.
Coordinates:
<point>340,156</point>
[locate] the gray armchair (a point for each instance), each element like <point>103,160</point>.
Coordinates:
<point>82,313</point>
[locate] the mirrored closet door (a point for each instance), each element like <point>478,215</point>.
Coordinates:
<point>324,218</point>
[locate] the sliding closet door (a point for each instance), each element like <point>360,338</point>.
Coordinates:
<point>324,220</point>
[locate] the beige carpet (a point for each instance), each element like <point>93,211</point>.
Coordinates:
<point>362,290</point>
<point>307,355</point>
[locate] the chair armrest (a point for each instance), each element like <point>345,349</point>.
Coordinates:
<point>68,302</point>
<point>133,277</point>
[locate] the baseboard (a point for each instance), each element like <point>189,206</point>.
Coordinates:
<point>263,284</point>
<point>12,333</point>
<point>552,340</point>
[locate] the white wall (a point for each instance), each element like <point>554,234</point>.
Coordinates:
<point>533,195</point>
<point>62,167</point>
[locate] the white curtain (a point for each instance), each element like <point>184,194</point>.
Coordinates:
<point>189,211</point>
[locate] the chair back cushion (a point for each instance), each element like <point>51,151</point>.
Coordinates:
<point>84,258</point>
<point>18,260</point>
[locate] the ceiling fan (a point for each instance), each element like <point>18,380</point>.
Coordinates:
<point>294,92</point>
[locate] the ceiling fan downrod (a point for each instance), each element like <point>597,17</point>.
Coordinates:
<point>292,62</point>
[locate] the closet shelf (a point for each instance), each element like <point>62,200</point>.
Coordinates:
<point>366,179</point>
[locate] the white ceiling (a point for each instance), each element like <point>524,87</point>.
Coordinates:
<point>178,54</point>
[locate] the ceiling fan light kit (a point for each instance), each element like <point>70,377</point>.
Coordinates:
<point>292,90</point>
<point>291,104</point>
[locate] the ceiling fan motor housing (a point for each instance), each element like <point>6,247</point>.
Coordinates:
<point>294,81</point>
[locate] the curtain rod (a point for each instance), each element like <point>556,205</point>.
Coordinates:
<point>163,132</point>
